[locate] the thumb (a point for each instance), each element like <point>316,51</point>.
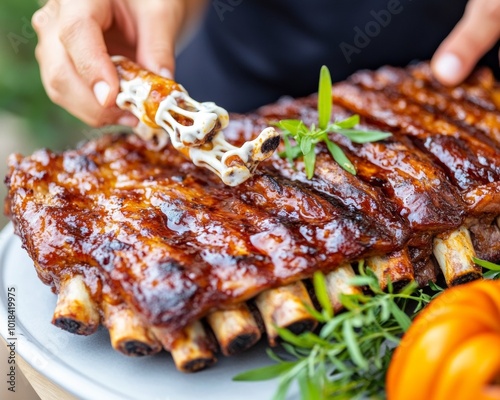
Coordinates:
<point>158,25</point>
<point>474,35</point>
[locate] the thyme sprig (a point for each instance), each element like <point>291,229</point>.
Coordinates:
<point>493,270</point>
<point>349,357</point>
<point>306,137</point>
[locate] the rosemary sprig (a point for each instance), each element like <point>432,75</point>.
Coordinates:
<point>349,357</point>
<point>306,137</point>
<point>493,270</point>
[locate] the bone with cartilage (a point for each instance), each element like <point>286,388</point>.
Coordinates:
<point>337,284</point>
<point>76,311</point>
<point>127,333</point>
<point>285,307</point>
<point>395,266</point>
<point>232,164</point>
<point>192,350</point>
<point>454,253</point>
<point>194,128</point>
<point>235,329</point>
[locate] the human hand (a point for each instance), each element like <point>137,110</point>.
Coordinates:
<point>76,38</point>
<point>472,37</point>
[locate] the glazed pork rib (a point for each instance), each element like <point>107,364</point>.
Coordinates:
<point>148,244</point>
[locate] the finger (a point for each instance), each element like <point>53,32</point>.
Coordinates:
<point>81,33</point>
<point>158,24</point>
<point>65,86</point>
<point>474,35</point>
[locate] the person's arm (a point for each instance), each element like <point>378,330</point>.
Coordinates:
<point>474,35</point>
<point>76,39</point>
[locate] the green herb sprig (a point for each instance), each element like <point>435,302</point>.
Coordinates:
<point>349,357</point>
<point>306,137</point>
<point>493,270</point>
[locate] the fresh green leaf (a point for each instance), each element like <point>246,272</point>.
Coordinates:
<point>347,123</point>
<point>265,373</point>
<point>273,356</point>
<point>321,291</point>
<point>360,281</point>
<point>486,264</point>
<point>306,145</point>
<point>339,156</point>
<point>309,390</point>
<point>294,126</point>
<point>282,389</point>
<point>306,138</point>
<point>435,287</point>
<point>390,286</point>
<point>491,275</point>
<point>401,317</point>
<point>291,349</point>
<point>288,149</point>
<point>353,346</point>
<point>324,97</point>
<point>296,340</point>
<point>360,136</point>
<point>309,163</point>
<point>315,313</point>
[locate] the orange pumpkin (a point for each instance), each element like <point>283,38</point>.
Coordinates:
<point>452,349</point>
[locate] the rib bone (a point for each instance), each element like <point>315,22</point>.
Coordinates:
<point>235,329</point>
<point>192,350</point>
<point>337,283</point>
<point>454,252</point>
<point>283,307</point>
<point>396,266</point>
<point>76,311</point>
<point>127,333</point>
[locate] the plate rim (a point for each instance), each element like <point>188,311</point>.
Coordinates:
<point>59,373</point>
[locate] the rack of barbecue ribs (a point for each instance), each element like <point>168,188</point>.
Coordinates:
<point>167,256</point>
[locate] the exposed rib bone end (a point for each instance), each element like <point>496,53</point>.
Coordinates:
<point>396,266</point>
<point>127,333</point>
<point>454,252</point>
<point>75,311</point>
<point>192,350</point>
<point>283,307</point>
<point>235,329</point>
<point>337,283</point>
<point>232,164</point>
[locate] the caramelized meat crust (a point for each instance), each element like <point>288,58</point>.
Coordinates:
<point>175,243</point>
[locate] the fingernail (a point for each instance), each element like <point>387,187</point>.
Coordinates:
<point>166,73</point>
<point>128,120</point>
<point>449,68</point>
<point>101,92</point>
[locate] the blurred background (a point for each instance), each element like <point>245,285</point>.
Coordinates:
<point>28,119</point>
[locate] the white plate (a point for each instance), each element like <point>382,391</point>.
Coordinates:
<point>89,368</point>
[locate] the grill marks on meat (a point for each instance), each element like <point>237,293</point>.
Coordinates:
<point>173,240</point>
<point>174,243</point>
<point>471,164</point>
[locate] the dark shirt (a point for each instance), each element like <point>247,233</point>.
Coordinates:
<point>251,52</point>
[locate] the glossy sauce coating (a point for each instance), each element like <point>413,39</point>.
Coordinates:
<point>172,241</point>
<point>160,89</point>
